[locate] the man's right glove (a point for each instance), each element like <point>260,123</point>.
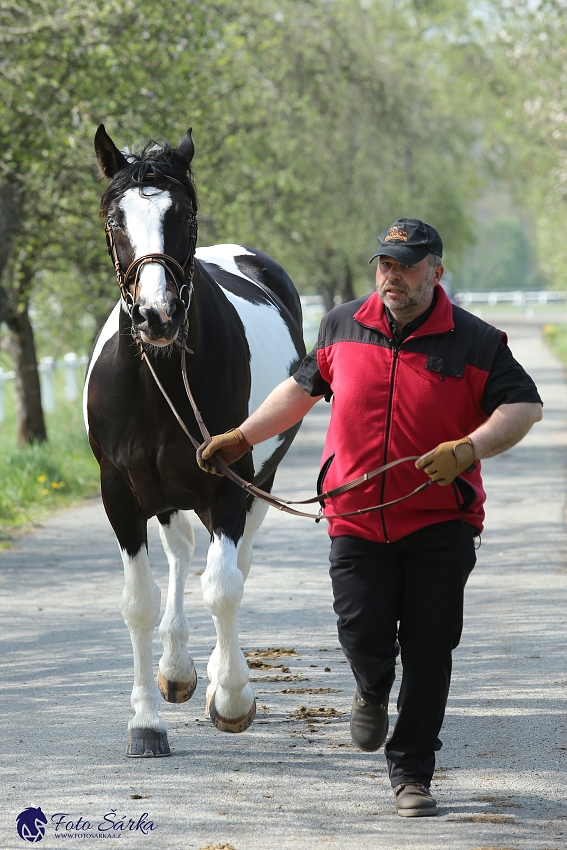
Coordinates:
<point>230,447</point>
<point>448,460</point>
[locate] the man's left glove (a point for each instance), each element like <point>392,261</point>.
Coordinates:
<point>230,447</point>
<point>448,460</point>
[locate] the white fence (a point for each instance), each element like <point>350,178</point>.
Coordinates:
<point>72,366</point>
<point>313,308</point>
<point>518,299</point>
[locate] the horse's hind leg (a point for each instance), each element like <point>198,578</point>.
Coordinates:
<point>177,678</point>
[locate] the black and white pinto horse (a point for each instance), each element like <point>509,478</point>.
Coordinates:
<point>242,324</point>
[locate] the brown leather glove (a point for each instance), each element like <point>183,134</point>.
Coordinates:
<point>230,447</point>
<point>448,460</point>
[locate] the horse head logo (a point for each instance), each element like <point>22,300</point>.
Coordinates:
<point>31,824</point>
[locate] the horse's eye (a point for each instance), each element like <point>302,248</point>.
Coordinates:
<point>112,221</point>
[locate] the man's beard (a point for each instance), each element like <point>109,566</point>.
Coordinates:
<point>413,301</point>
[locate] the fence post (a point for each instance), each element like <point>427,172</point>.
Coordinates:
<point>70,364</point>
<point>47,380</point>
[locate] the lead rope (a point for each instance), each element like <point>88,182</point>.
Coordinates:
<point>269,498</point>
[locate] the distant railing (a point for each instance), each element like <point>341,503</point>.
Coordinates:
<point>518,298</point>
<point>313,305</point>
<point>71,364</point>
<point>313,308</point>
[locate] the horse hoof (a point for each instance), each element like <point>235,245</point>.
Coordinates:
<point>147,743</point>
<point>176,691</point>
<point>239,724</point>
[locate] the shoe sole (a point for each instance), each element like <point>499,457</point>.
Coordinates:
<point>418,813</point>
<point>368,749</point>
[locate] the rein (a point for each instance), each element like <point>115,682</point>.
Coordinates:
<point>182,276</point>
<point>269,498</point>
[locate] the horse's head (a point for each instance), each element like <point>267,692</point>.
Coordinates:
<point>149,209</point>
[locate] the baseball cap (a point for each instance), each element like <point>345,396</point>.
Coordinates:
<point>408,241</point>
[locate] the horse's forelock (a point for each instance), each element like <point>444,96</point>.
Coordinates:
<point>150,167</point>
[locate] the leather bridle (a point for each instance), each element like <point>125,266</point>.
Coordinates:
<point>182,276</point>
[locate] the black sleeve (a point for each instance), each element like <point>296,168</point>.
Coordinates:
<point>508,382</point>
<point>310,379</point>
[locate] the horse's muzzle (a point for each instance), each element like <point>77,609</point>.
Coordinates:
<point>159,325</point>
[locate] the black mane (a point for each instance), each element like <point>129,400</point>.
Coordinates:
<point>150,167</point>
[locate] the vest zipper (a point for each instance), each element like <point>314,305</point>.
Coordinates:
<point>387,435</point>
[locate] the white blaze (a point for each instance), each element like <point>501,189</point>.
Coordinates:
<point>144,214</point>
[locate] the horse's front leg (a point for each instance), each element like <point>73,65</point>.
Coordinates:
<point>230,699</point>
<point>177,677</point>
<point>141,597</point>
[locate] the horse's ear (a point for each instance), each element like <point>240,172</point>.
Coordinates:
<point>110,159</point>
<point>186,148</point>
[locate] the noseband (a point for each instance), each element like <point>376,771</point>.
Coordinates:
<point>182,275</point>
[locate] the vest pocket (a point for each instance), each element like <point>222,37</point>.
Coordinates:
<point>453,368</point>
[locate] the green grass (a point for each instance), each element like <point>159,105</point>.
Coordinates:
<point>556,338</point>
<point>38,479</point>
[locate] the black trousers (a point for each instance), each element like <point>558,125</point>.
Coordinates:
<point>405,595</point>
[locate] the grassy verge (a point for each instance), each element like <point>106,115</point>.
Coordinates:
<point>36,480</point>
<point>556,338</point>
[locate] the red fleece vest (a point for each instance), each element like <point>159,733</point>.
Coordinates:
<point>389,404</point>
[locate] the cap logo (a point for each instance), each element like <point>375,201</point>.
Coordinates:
<point>395,233</point>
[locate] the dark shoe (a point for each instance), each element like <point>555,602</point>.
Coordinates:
<point>368,724</point>
<point>414,801</point>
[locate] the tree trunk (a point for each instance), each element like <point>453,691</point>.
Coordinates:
<point>29,412</point>
<point>327,291</point>
<point>346,288</point>
<point>9,219</point>
<point>14,304</point>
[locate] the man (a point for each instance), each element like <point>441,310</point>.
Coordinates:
<point>410,375</point>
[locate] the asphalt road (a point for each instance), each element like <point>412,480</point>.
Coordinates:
<point>294,781</point>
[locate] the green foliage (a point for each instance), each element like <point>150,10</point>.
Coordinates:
<point>316,125</point>
<point>501,260</point>
<point>352,126</point>
<point>528,133</point>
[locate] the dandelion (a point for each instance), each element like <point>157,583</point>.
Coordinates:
<point>57,484</point>
<point>46,492</point>
<point>42,478</point>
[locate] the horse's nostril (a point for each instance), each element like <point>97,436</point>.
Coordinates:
<point>145,317</point>
<point>176,310</point>
<point>139,314</point>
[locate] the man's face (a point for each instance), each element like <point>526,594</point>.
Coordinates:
<point>406,291</point>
